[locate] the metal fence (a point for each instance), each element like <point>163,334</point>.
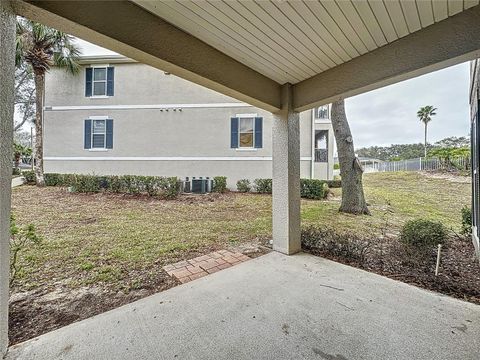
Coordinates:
<point>421,164</point>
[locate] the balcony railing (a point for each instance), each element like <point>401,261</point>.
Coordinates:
<point>321,155</point>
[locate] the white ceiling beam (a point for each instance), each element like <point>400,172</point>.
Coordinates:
<point>130,30</point>
<point>449,42</point>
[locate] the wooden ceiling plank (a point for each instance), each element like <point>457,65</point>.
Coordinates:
<point>383,18</point>
<point>262,33</point>
<point>335,13</point>
<point>288,39</point>
<point>232,27</point>
<point>396,14</point>
<point>440,10</point>
<point>351,14</point>
<point>411,15</point>
<point>370,21</point>
<point>425,11</point>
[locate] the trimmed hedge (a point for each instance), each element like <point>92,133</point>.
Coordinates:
<point>332,184</point>
<point>219,184</point>
<point>166,187</point>
<point>263,186</point>
<point>422,233</point>
<point>313,189</point>
<point>244,185</point>
<point>29,176</point>
<point>309,188</point>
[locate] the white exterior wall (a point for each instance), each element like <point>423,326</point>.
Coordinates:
<point>193,140</point>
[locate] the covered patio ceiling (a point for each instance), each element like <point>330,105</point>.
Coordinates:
<point>248,49</point>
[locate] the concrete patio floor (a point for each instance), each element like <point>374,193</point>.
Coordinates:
<point>274,307</point>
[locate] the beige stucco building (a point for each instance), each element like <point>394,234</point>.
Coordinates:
<point>180,128</point>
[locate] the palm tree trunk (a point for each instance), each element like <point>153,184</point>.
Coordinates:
<point>39,90</point>
<point>353,198</point>
<point>426,139</point>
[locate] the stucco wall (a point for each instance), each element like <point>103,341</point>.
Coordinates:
<point>135,83</point>
<point>149,134</point>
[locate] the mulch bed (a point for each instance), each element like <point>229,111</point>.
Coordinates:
<point>459,272</point>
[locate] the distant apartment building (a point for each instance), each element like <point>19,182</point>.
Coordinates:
<point>121,117</point>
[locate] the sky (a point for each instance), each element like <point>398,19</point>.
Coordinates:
<point>388,115</point>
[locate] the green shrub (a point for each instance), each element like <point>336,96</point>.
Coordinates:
<point>16,171</point>
<point>168,188</point>
<point>21,238</point>
<point>219,184</point>
<point>313,189</point>
<point>29,176</point>
<point>131,184</point>
<point>86,184</point>
<point>332,184</point>
<point>263,186</point>
<point>336,166</point>
<point>422,233</point>
<point>466,220</point>
<point>115,184</point>
<point>244,186</point>
<point>52,179</point>
<point>326,241</point>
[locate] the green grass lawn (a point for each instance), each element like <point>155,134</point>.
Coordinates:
<point>123,241</point>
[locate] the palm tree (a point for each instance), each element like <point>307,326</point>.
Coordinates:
<point>42,47</point>
<point>425,115</point>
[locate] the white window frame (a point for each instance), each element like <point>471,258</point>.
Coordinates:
<point>246,116</point>
<point>96,118</point>
<point>100,66</point>
<point>315,113</point>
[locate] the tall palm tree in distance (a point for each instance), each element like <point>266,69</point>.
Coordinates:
<point>425,114</point>
<point>42,47</point>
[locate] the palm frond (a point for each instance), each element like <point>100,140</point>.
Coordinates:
<point>43,47</point>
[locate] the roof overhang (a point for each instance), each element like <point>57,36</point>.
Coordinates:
<point>328,50</point>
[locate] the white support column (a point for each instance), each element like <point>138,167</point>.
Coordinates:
<point>7,79</point>
<point>286,176</point>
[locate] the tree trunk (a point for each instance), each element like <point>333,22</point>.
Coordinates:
<point>39,90</point>
<point>353,198</point>
<point>425,140</point>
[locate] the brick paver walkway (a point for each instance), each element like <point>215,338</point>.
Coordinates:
<point>198,267</point>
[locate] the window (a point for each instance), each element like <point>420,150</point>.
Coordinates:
<point>99,81</point>
<point>245,135</point>
<point>321,145</point>
<point>98,133</point>
<point>321,112</point>
<point>246,132</point>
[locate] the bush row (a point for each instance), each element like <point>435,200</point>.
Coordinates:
<point>166,187</point>
<point>309,188</point>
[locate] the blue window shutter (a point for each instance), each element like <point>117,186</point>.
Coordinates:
<point>234,133</point>
<point>88,82</point>
<point>87,142</point>
<point>258,132</point>
<point>109,138</point>
<point>110,80</point>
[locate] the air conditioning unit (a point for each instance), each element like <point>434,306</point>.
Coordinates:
<point>198,185</point>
